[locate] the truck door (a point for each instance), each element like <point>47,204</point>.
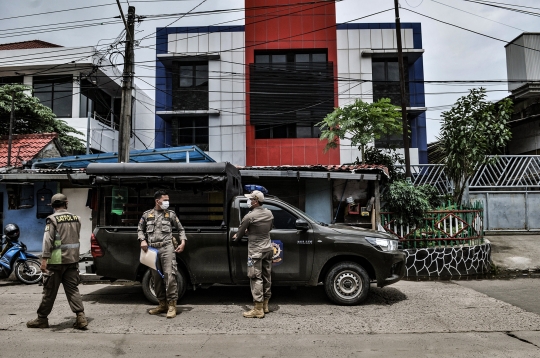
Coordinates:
<point>293,249</point>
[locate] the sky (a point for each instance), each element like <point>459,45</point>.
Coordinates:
<point>451,53</point>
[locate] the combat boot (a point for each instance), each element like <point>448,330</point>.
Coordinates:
<point>80,321</point>
<point>161,308</point>
<point>265,305</point>
<point>171,313</point>
<point>256,312</point>
<point>38,323</point>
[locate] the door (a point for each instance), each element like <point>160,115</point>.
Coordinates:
<point>293,249</point>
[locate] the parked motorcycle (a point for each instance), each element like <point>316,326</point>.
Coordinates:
<point>13,256</point>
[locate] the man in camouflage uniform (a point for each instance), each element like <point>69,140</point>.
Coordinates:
<point>60,263</point>
<point>258,222</point>
<point>156,230</point>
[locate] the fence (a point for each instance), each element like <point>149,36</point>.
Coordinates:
<point>446,226</point>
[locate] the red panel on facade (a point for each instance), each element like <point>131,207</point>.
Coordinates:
<point>289,24</point>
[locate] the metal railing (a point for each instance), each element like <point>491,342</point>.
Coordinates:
<point>508,171</point>
<point>430,174</point>
<point>446,226</point>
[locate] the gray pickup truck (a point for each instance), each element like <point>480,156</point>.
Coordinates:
<point>208,199</point>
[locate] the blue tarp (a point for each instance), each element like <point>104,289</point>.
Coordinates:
<point>186,154</point>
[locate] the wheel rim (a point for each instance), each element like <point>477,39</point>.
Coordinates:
<point>151,286</point>
<point>348,285</point>
<point>31,271</point>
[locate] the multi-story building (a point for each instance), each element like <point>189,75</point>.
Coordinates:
<point>76,81</point>
<point>252,94</point>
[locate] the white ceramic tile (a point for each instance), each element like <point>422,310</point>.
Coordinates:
<point>238,40</point>
<point>355,89</point>
<point>181,43</point>
<point>343,61</point>
<point>214,121</point>
<point>214,136</point>
<point>203,42</point>
<point>365,38</point>
<point>239,118</point>
<point>214,105</point>
<point>239,158</point>
<point>226,41</point>
<point>227,157</point>
<point>354,61</point>
<point>226,96</point>
<point>366,88</point>
<point>342,42</point>
<point>376,39</point>
<point>215,155</point>
<point>239,140</point>
<point>354,38</point>
<point>388,38</point>
<point>238,90</point>
<point>214,42</point>
<point>344,155</point>
<point>409,40</point>
<point>226,141</point>
<point>193,43</point>
<point>365,64</point>
<point>171,43</point>
<point>238,58</point>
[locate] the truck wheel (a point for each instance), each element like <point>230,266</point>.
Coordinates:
<point>148,286</point>
<point>347,284</point>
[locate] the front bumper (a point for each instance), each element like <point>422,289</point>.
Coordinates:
<point>395,272</point>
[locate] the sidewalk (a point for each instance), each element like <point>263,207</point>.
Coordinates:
<point>515,252</point>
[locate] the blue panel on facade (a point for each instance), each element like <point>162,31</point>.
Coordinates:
<point>161,40</point>
<point>414,134</point>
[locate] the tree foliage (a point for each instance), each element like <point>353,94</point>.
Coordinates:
<point>472,130</point>
<point>409,203</point>
<point>387,157</point>
<point>361,123</point>
<point>33,117</point>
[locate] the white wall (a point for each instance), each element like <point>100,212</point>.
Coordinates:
<point>353,67</point>
<point>77,205</point>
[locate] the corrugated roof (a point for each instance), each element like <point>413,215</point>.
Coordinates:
<point>24,45</point>
<point>324,168</point>
<point>158,155</point>
<point>23,147</point>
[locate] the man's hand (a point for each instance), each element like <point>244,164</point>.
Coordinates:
<point>43,266</point>
<point>144,245</point>
<point>180,247</point>
<point>234,237</point>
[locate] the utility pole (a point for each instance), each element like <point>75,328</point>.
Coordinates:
<point>11,119</point>
<point>403,96</point>
<point>124,135</point>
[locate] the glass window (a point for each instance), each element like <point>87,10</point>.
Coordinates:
<point>378,71</point>
<point>262,59</point>
<point>319,57</point>
<point>302,57</point>
<point>193,131</point>
<point>201,75</point>
<point>55,93</point>
<point>283,219</point>
<point>303,132</point>
<point>279,58</point>
<point>393,71</point>
<point>186,76</point>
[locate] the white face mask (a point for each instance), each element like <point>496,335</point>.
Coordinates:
<point>164,205</point>
<point>251,202</point>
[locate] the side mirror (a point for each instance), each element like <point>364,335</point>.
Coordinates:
<point>302,224</point>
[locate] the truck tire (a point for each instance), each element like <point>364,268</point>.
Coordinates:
<point>347,284</point>
<point>148,286</point>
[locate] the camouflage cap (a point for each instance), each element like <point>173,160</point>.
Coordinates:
<point>59,198</point>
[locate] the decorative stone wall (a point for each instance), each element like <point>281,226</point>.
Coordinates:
<point>451,261</point>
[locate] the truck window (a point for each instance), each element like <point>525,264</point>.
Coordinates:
<point>283,219</point>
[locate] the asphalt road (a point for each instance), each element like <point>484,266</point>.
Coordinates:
<point>408,319</point>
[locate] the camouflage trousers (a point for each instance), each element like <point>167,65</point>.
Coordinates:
<point>167,287</point>
<point>68,276</point>
<point>259,272</point>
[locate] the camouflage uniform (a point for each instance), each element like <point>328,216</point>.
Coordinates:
<point>61,248</point>
<point>156,227</point>
<point>259,222</point>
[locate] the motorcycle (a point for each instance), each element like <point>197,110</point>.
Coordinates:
<point>13,257</point>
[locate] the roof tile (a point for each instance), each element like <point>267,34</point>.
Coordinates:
<point>23,147</point>
<point>24,45</point>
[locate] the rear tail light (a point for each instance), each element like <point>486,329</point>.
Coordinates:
<point>94,247</point>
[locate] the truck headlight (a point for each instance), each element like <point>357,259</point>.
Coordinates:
<point>383,244</point>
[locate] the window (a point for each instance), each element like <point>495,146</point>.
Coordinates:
<point>97,101</point>
<point>11,80</point>
<point>290,91</point>
<point>386,80</point>
<point>190,86</point>
<point>283,219</point>
<point>55,93</point>
<point>191,131</point>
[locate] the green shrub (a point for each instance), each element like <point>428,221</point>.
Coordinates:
<point>409,203</point>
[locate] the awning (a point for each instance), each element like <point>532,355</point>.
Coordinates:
<point>186,154</point>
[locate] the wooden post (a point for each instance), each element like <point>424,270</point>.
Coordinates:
<point>377,204</point>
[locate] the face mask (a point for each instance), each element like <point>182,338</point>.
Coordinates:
<point>251,202</point>
<point>164,205</point>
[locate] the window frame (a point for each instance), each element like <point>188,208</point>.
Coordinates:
<point>53,82</point>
